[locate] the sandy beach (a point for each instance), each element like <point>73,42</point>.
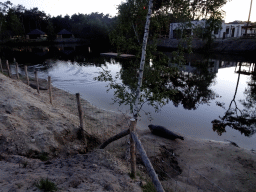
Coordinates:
<point>31,127</point>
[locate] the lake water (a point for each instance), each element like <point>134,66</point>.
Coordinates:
<point>206,91</point>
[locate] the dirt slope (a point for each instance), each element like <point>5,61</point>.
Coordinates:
<point>32,129</point>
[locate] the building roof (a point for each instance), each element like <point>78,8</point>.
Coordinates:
<point>237,22</point>
<point>36,32</point>
<point>64,32</point>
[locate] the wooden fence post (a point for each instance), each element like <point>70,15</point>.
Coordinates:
<point>133,148</point>
<point>26,72</point>
<point>1,66</point>
<point>8,69</point>
<point>50,88</point>
<point>37,84</point>
<point>81,133</point>
<point>80,110</point>
<point>17,70</point>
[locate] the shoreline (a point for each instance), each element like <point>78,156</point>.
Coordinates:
<point>143,125</point>
<point>30,122</point>
<point>227,166</point>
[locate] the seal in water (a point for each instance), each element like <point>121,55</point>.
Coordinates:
<point>163,132</point>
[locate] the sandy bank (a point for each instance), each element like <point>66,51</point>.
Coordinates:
<point>40,140</point>
<point>31,127</point>
<point>229,167</point>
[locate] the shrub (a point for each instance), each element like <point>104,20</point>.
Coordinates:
<point>46,185</point>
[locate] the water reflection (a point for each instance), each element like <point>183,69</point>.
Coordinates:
<point>200,85</point>
<point>32,55</point>
<point>241,119</point>
<point>186,85</point>
<point>192,84</point>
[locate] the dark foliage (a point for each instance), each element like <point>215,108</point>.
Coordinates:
<point>17,21</point>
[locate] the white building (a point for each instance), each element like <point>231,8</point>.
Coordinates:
<point>234,29</point>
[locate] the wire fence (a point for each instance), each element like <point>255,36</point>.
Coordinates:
<point>176,175</point>
<point>99,123</point>
<point>173,172</point>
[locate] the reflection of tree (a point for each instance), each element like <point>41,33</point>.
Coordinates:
<point>241,120</point>
<point>155,88</point>
<point>193,87</point>
<point>250,102</point>
<point>189,89</point>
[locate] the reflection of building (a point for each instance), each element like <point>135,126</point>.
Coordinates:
<point>196,29</point>
<point>246,68</point>
<point>36,34</point>
<point>213,65</point>
<point>66,49</point>
<point>32,49</point>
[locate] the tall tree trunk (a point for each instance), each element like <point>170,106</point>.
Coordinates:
<point>142,61</point>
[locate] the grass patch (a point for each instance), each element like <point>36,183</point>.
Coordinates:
<point>43,156</point>
<point>46,185</point>
<point>132,176</point>
<point>149,187</point>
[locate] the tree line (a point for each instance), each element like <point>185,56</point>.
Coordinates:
<point>17,21</point>
<point>124,31</point>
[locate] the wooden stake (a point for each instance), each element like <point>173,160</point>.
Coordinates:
<point>147,163</point>
<point>1,66</point>
<point>26,72</point>
<point>37,84</point>
<point>8,69</point>
<point>50,88</point>
<point>17,70</point>
<point>80,110</point>
<point>81,134</point>
<point>132,148</point>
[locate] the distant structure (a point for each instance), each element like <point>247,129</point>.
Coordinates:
<point>195,28</point>
<point>36,35</point>
<point>64,34</point>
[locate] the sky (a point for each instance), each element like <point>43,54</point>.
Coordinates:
<point>235,9</point>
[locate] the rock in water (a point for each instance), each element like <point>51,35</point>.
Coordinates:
<point>163,132</point>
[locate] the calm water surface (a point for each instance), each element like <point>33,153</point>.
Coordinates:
<point>181,116</point>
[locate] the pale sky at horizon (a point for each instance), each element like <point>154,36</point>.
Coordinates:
<point>235,9</point>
